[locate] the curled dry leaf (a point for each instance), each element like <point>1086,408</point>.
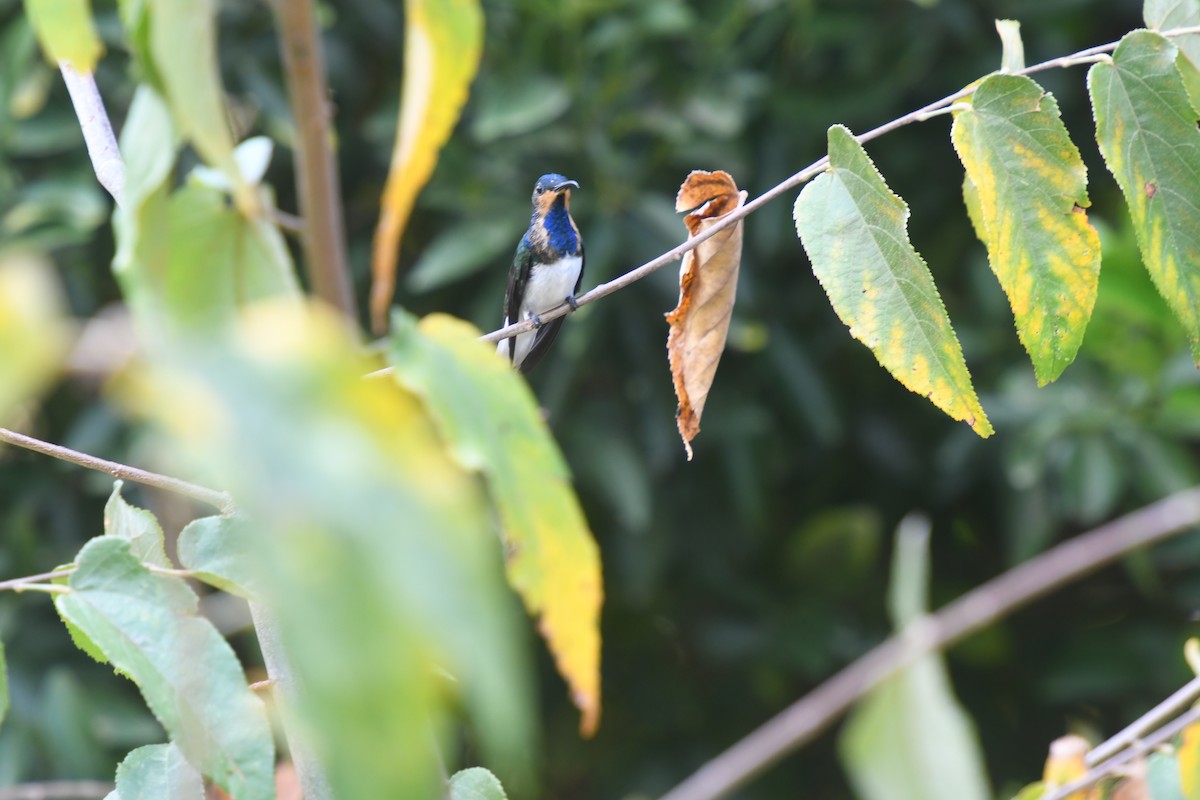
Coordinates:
<point>707,286</point>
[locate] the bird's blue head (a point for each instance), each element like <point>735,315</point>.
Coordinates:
<point>548,189</point>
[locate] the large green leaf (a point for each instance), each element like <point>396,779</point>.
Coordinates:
<point>147,626</point>
<point>138,526</point>
<point>1163,15</point>
<point>475,783</point>
<point>909,739</point>
<point>66,31</point>
<point>854,229</point>
<point>1146,128</point>
<point>1031,188</point>
<point>370,546</point>
<point>491,421</point>
<point>157,771</point>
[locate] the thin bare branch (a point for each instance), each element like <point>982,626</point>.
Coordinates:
<point>317,182</point>
<point>18,584</point>
<point>1137,730</point>
<point>56,790</point>
<point>97,130</point>
<point>979,607</point>
<point>221,500</point>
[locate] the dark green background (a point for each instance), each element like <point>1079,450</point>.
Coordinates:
<point>736,582</point>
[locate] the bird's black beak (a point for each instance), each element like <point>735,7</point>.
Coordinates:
<point>566,185</point>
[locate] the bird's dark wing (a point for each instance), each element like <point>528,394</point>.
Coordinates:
<point>549,330</point>
<point>518,277</point>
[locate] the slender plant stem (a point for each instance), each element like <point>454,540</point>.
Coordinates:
<point>97,130</point>
<point>221,500</point>
<point>981,606</point>
<point>317,181</point>
<point>808,173</point>
<point>1136,749</point>
<point>1137,730</point>
<point>57,790</point>
<point>19,583</point>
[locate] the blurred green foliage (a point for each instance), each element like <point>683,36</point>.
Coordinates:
<point>738,581</point>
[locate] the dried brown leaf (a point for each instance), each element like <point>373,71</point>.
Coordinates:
<point>707,287</point>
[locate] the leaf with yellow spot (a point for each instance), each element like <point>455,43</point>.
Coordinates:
<point>443,40</point>
<point>1146,128</point>
<point>66,31</point>
<point>490,418</point>
<point>1030,192</point>
<point>34,332</point>
<point>854,229</point>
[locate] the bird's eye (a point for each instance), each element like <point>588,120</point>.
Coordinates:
<point>538,190</point>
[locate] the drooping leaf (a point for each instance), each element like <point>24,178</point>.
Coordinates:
<point>138,526</point>
<point>707,289</point>
<point>1066,763</point>
<point>476,783</point>
<point>370,546</point>
<point>854,229</point>
<point>66,31</point>
<point>1146,128</point>
<point>147,626</point>
<point>1031,187</point>
<point>443,41</point>
<point>909,738</point>
<point>1013,53</point>
<point>33,333</point>
<point>158,770</point>
<point>491,422</point>
<point>219,552</point>
<point>183,41</point>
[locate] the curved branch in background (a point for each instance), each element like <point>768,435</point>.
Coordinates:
<point>97,130</point>
<point>979,607</point>
<point>317,184</point>
<point>57,790</point>
<point>220,500</point>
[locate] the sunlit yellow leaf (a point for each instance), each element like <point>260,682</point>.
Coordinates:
<point>33,333</point>
<point>854,229</point>
<point>443,40</point>
<point>1065,763</point>
<point>66,31</point>
<point>707,287</point>
<point>1026,192</point>
<point>1188,754</point>
<point>490,419</point>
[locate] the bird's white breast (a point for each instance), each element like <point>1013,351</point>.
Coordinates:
<point>549,285</point>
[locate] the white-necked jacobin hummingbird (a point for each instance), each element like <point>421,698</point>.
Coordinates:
<point>546,270</point>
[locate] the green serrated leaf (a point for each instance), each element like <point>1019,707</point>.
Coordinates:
<point>138,526</point>
<point>909,739</point>
<point>854,229</point>
<point>491,421</point>
<point>147,626</point>
<point>158,771</point>
<point>1031,189</point>
<point>66,31</point>
<point>218,551</point>
<point>476,783</point>
<point>1146,128</point>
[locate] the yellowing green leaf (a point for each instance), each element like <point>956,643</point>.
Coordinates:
<point>1188,755</point>
<point>443,40</point>
<point>66,31</point>
<point>1146,128</point>
<point>854,229</point>
<point>33,334</point>
<point>1031,188</point>
<point>491,421</point>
